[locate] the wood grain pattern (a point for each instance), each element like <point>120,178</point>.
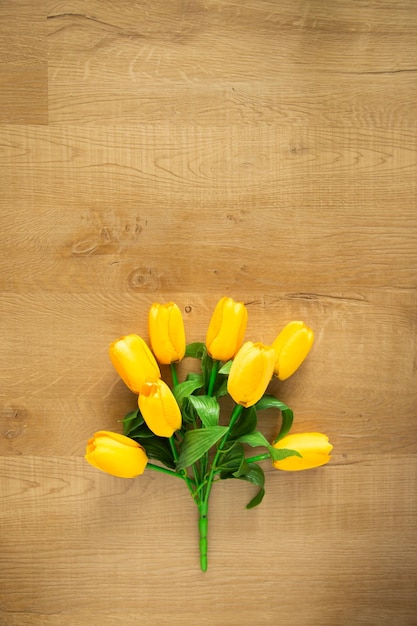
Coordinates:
<point>23,62</point>
<point>154,62</point>
<point>321,550</point>
<point>154,151</point>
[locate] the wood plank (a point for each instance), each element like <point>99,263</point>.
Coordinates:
<point>23,63</point>
<point>113,208</point>
<point>291,64</point>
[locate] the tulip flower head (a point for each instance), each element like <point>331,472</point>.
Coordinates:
<point>134,362</point>
<point>159,409</point>
<point>116,454</point>
<point>166,332</point>
<point>291,347</point>
<point>251,373</point>
<point>313,447</point>
<point>226,329</point>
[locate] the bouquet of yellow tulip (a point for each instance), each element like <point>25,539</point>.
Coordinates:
<point>180,427</point>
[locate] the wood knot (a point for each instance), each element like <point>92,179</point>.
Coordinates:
<point>143,279</point>
<point>12,421</point>
<point>85,247</point>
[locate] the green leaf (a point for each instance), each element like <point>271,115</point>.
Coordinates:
<point>198,350</point>
<point>221,390</point>
<point>283,453</point>
<point>246,423</point>
<point>195,376</point>
<point>233,463</point>
<point>131,421</point>
<point>142,431</point>
<point>157,448</point>
<point>198,442</point>
<point>225,369</point>
<point>255,476</point>
<point>185,389</point>
<point>207,409</point>
<point>270,402</point>
<point>256,439</point>
<point>287,420</point>
<point>195,350</point>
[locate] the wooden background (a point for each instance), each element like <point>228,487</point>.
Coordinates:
<point>185,150</point>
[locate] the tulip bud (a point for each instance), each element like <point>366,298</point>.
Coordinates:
<point>116,454</point>
<point>251,373</point>
<point>134,362</point>
<point>291,347</point>
<point>226,329</point>
<point>313,447</point>
<point>166,332</point>
<point>159,409</point>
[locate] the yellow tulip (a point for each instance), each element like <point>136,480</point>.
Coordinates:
<point>116,454</point>
<point>291,347</point>
<point>159,409</point>
<point>134,362</point>
<point>251,373</point>
<point>226,329</point>
<point>166,332</point>
<point>313,447</point>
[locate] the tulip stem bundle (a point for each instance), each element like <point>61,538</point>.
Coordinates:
<point>182,427</point>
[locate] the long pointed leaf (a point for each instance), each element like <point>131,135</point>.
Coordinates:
<point>246,423</point>
<point>257,439</point>
<point>233,463</point>
<point>185,389</point>
<point>157,448</point>
<point>132,421</point>
<point>270,402</point>
<point>287,420</point>
<point>195,350</point>
<point>207,408</point>
<point>255,476</point>
<point>198,442</point>
<point>225,369</point>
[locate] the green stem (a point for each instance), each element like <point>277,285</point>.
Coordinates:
<point>183,473</point>
<point>213,375</point>
<point>202,525</point>
<point>234,417</point>
<point>163,470</point>
<point>258,457</point>
<point>174,374</point>
<point>173,448</point>
<point>203,505</point>
<point>212,381</point>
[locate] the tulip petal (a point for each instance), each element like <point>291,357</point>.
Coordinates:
<point>251,373</point>
<point>133,361</point>
<point>160,409</point>
<point>166,332</point>
<point>226,329</point>
<point>292,347</point>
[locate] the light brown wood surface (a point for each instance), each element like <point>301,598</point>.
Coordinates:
<point>185,150</point>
